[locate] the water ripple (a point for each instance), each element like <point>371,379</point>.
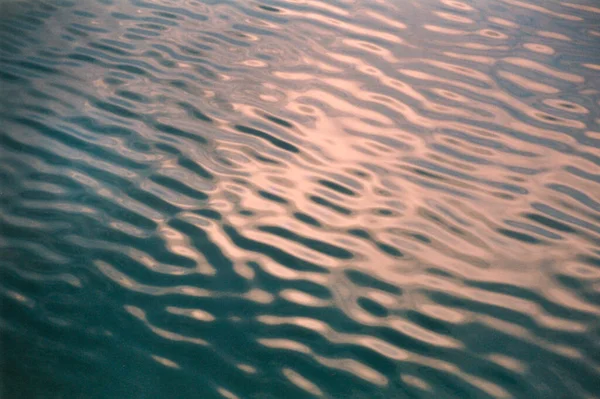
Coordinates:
<point>299,198</point>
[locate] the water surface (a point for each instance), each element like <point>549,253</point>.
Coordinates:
<point>299,198</point>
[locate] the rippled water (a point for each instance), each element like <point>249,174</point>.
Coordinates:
<point>300,198</point>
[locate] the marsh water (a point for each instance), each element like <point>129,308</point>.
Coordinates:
<point>299,199</point>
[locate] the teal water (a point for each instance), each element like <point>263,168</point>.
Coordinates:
<point>299,199</point>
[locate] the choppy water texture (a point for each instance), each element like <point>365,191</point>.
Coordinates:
<point>300,198</point>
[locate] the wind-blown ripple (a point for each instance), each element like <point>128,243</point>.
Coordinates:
<point>282,198</point>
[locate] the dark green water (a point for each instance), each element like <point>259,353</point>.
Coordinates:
<point>295,199</point>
